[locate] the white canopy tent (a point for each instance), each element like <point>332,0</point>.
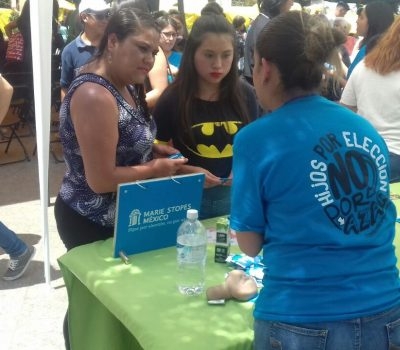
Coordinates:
<point>41,12</point>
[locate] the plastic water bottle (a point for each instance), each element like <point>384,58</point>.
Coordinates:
<point>191,254</point>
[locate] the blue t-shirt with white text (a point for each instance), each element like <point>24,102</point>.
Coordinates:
<point>313,178</point>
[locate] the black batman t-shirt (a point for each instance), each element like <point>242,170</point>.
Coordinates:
<point>213,128</point>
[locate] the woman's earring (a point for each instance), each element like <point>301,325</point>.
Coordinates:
<point>109,58</point>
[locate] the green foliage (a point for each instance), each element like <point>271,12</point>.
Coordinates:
<point>5,3</point>
<point>14,16</point>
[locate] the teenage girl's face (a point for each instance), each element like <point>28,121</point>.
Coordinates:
<point>168,38</point>
<point>362,23</point>
<point>133,57</point>
<point>213,58</point>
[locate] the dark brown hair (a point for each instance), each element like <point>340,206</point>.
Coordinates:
<point>126,20</point>
<point>186,83</point>
<point>299,45</point>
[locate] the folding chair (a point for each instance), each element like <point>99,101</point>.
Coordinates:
<point>9,128</point>
<point>54,135</point>
<point>55,106</point>
<point>22,82</point>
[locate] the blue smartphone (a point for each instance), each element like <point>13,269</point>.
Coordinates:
<point>176,156</point>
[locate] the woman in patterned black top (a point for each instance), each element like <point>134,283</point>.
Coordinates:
<point>106,130</point>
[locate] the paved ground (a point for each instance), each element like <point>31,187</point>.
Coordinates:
<point>31,312</point>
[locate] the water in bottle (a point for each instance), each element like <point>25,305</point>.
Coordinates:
<point>191,254</point>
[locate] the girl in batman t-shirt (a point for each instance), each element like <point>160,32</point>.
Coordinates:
<point>202,111</point>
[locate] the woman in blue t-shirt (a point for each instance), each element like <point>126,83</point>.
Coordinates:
<point>311,189</point>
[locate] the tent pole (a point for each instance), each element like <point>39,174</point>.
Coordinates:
<point>41,58</point>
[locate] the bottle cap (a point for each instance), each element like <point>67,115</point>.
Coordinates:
<point>192,214</point>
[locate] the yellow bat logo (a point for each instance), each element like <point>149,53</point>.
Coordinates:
<point>220,150</point>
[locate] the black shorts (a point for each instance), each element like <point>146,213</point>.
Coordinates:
<point>75,229</point>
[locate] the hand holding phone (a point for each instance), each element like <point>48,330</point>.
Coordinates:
<point>176,156</point>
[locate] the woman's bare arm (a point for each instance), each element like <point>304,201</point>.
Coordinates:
<point>95,116</point>
<point>158,77</point>
<point>250,243</point>
<point>6,92</point>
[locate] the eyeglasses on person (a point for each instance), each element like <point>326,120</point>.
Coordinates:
<point>100,16</point>
<point>169,35</point>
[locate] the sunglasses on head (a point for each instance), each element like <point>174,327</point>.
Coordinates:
<point>100,16</point>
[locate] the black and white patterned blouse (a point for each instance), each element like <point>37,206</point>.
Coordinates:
<point>136,137</point>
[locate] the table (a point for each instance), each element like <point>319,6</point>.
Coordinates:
<point>115,306</point>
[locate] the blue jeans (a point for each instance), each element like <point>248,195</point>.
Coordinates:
<point>394,167</point>
<point>10,242</point>
<point>377,332</point>
<point>216,201</point>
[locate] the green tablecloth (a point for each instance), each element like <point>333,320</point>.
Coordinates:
<point>115,306</point>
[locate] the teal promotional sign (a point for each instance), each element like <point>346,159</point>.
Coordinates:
<point>149,212</point>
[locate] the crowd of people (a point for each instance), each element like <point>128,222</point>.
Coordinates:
<point>295,127</point>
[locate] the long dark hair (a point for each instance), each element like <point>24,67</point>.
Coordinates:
<point>126,20</point>
<point>187,80</point>
<point>380,17</point>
